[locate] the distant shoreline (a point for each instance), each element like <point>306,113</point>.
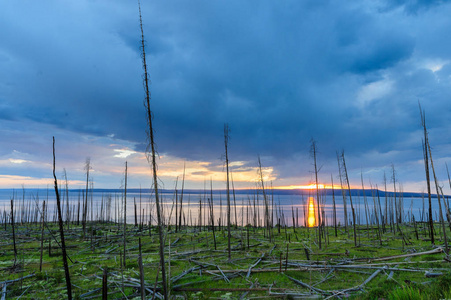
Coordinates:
<point>300,192</point>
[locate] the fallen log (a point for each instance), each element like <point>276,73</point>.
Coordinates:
<point>434,251</point>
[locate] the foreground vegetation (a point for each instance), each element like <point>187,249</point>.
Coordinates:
<point>290,266</point>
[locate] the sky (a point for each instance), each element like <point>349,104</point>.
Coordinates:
<point>347,74</point>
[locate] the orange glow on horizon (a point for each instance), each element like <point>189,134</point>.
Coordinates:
<point>311,213</point>
<point>311,186</point>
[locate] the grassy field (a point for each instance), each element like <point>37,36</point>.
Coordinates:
<point>289,266</point>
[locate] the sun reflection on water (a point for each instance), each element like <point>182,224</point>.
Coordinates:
<point>311,212</point>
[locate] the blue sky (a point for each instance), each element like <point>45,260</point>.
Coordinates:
<point>348,74</point>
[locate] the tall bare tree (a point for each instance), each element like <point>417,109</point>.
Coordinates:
<point>266,203</point>
<point>125,215</point>
<point>85,203</point>
<point>313,150</point>
<point>152,157</point>
<point>437,187</point>
<point>226,143</point>
<point>61,227</point>
<point>426,168</point>
<point>345,170</point>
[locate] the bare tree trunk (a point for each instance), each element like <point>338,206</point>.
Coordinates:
<point>343,193</point>
<point>439,201</point>
<point>334,206</point>
<point>176,205</point>
<point>350,197</point>
<point>141,271</point>
<point>226,142</point>
<point>136,213</point>
<point>14,232</point>
<point>85,203</point>
<point>366,205</point>
<point>181,199</point>
<point>234,200</point>
<point>313,152</point>
<point>265,199</point>
<point>125,215</point>
<point>67,199</point>
<point>105,284</point>
<point>211,212</point>
<point>153,160</point>
<point>42,236</point>
<point>426,167</point>
<point>394,195</point>
<point>61,226</point>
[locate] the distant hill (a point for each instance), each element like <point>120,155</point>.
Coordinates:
<point>328,192</point>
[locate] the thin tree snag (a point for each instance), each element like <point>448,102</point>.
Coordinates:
<point>60,222</point>
<point>153,159</point>
<point>14,234</point>
<point>85,201</point>
<point>426,168</point>
<point>226,142</point>
<point>105,284</point>
<point>313,150</point>
<point>42,237</point>
<point>350,197</point>
<point>125,217</point>
<point>141,271</point>
<point>442,222</point>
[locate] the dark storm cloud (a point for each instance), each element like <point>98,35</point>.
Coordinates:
<point>276,76</point>
<point>349,75</point>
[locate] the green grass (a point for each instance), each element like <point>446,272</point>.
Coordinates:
<point>104,251</point>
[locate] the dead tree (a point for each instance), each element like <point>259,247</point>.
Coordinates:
<point>85,203</point>
<point>350,196</point>
<point>266,203</point>
<point>313,150</point>
<point>426,168</point>
<point>14,232</point>
<point>42,236</point>
<point>61,227</point>
<point>125,214</point>
<point>442,222</point>
<point>334,206</point>
<point>212,219</point>
<point>181,198</point>
<point>226,142</point>
<point>152,158</point>
<point>343,193</point>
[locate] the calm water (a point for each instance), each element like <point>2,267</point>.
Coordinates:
<point>108,205</point>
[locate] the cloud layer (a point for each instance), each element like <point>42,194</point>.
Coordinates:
<point>348,75</point>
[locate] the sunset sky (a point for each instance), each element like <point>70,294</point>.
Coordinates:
<point>348,74</point>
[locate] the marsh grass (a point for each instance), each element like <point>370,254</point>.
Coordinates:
<point>190,247</point>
